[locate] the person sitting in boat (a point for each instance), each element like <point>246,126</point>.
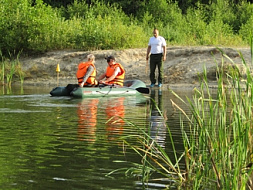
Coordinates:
<point>86,73</point>
<point>114,75</point>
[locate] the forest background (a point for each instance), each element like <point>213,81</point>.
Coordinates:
<point>36,26</point>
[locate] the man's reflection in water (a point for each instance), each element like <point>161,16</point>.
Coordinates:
<point>115,112</point>
<point>157,118</point>
<point>87,113</point>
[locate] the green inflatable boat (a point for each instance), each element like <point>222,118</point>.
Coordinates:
<point>131,87</point>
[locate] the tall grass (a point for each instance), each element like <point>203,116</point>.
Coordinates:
<point>217,135</point>
<point>11,70</point>
<point>2,68</point>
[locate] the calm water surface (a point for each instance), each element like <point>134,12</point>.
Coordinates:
<point>63,143</point>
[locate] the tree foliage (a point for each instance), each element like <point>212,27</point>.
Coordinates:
<point>35,26</point>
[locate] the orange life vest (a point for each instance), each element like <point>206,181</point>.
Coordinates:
<point>82,69</point>
<point>119,79</point>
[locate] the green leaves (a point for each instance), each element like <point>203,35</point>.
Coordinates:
<point>37,27</point>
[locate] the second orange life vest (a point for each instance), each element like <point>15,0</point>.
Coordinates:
<point>119,79</point>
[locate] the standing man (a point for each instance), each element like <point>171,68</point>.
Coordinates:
<point>157,48</point>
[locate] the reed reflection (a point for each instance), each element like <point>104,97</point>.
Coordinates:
<point>157,118</point>
<point>5,90</point>
<point>87,113</point>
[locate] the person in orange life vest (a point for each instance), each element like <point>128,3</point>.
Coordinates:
<point>86,73</point>
<point>114,74</point>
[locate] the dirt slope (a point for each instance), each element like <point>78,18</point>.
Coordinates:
<point>183,64</point>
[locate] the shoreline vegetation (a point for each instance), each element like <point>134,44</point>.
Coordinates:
<point>33,27</point>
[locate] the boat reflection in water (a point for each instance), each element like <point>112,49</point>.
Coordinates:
<point>157,118</point>
<point>87,117</point>
<point>87,113</point>
<point>115,112</point>
<point>91,112</point>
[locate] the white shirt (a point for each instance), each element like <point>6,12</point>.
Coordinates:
<point>156,44</point>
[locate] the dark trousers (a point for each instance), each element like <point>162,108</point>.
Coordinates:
<point>156,60</point>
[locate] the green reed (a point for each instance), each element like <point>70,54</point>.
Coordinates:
<point>11,70</point>
<point>217,135</point>
<point>2,70</point>
<point>219,143</point>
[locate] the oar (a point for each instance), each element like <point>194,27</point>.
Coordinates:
<point>143,90</point>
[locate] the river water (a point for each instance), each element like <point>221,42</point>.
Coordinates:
<point>63,143</point>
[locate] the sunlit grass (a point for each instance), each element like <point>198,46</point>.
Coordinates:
<point>11,69</point>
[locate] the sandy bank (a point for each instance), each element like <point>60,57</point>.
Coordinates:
<point>182,67</point>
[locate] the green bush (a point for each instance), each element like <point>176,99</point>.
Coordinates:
<point>196,25</point>
<point>47,30</point>
<point>34,27</point>
<point>104,27</point>
<point>13,26</point>
<point>247,29</point>
<point>243,13</point>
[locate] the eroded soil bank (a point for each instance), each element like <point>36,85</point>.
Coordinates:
<point>182,67</point>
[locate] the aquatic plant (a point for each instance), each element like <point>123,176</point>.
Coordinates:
<point>2,69</point>
<point>11,68</point>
